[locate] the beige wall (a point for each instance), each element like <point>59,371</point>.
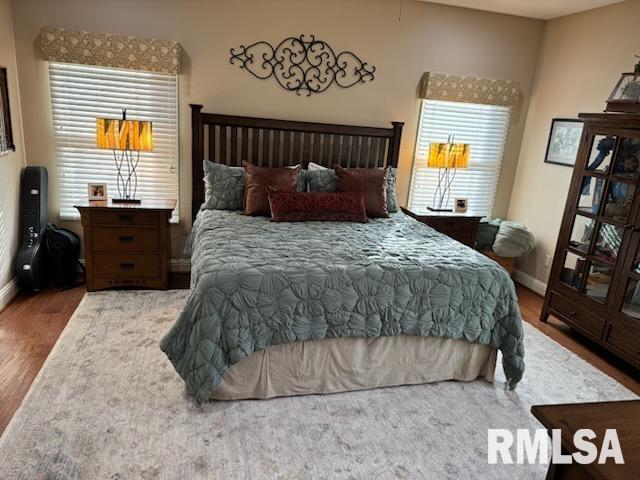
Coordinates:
<point>11,164</point>
<point>581,59</point>
<point>430,37</point>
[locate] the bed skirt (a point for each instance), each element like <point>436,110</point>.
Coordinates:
<point>347,364</point>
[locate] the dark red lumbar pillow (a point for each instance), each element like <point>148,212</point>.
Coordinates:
<point>317,206</point>
<point>371,181</point>
<point>258,179</point>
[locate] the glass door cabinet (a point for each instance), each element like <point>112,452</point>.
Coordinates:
<point>594,283</point>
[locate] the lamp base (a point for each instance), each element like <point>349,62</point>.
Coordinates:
<point>126,200</point>
<point>431,209</point>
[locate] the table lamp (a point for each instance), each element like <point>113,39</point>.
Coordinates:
<point>127,138</point>
<point>447,158</point>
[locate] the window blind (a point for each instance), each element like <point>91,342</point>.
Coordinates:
<point>82,93</point>
<point>485,128</point>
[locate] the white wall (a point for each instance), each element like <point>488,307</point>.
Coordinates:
<point>11,164</point>
<point>581,59</point>
<point>429,37</point>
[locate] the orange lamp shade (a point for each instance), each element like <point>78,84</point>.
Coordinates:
<point>116,134</point>
<point>448,155</point>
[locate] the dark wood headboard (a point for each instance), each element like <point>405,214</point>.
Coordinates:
<point>229,140</point>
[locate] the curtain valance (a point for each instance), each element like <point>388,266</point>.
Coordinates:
<point>458,88</point>
<point>108,50</point>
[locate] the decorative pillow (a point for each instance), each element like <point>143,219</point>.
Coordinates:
<point>224,187</point>
<point>302,179</point>
<point>315,167</point>
<point>257,179</point>
<point>371,181</point>
<point>487,230</point>
<point>317,206</point>
<point>324,180</point>
<point>513,240</point>
<point>392,201</point>
<point>328,182</point>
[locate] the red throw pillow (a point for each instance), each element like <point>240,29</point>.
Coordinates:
<point>317,206</point>
<point>258,179</point>
<point>371,181</point>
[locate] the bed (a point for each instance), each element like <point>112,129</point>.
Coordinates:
<point>281,309</point>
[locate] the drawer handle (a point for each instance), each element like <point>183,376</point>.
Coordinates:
<point>127,265</point>
<point>125,217</point>
<point>572,313</point>
<point>126,238</point>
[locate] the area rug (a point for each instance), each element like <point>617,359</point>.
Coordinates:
<point>107,404</point>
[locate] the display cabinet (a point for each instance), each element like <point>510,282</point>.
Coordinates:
<point>594,284</point>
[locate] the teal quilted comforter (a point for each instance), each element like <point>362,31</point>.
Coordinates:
<point>256,283</point>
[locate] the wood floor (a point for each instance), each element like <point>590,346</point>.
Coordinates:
<point>31,324</point>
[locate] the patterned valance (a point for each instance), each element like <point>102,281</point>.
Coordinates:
<point>107,50</point>
<point>457,88</point>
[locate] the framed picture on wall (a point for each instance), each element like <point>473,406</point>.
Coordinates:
<point>6,135</point>
<point>564,141</point>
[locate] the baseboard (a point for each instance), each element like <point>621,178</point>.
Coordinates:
<point>530,282</point>
<point>178,265</point>
<point>8,292</point>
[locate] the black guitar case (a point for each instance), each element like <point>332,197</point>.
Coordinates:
<point>31,258</point>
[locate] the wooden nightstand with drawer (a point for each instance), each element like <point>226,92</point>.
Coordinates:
<point>126,245</point>
<point>462,227</point>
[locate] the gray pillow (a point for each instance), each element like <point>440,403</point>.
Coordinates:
<point>392,201</point>
<point>513,240</point>
<point>487,230</point>
<point>326,180</point>
<point>321,180</point>
<point>224,187</point>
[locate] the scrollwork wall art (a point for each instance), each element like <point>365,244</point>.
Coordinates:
<point>302,64</point>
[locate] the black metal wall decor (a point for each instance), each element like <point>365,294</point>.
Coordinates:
<point>302,65</point>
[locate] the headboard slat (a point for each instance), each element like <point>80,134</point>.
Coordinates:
<point>266,142</point>
<point>244,148</point>
<point>233,147</point>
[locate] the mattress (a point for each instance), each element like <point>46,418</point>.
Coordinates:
<point>256,283</point>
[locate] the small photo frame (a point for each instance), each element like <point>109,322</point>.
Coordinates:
<point>97,191</point>
<point>460,205</point>
<point>564,141</point>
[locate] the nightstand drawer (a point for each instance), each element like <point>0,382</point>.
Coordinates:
<point>124,217</point>
<point>445,225</point>
<point>125,239</point>
<point>126,266</point>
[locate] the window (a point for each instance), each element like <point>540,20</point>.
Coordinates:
<point>485,128</point>
<point>6,135</point>
<point>79,95</point>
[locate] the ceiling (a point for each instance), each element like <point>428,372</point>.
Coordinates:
<point>542,9</point>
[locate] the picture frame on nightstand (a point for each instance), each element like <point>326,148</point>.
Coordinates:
<point>97,191</point>
<point>460,205</point>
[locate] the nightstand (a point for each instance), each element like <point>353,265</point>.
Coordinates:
<point>126,244</point>
<point>462,227</point>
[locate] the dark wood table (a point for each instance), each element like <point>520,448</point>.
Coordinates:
<point>623,416</point>
<point>462,227</point>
